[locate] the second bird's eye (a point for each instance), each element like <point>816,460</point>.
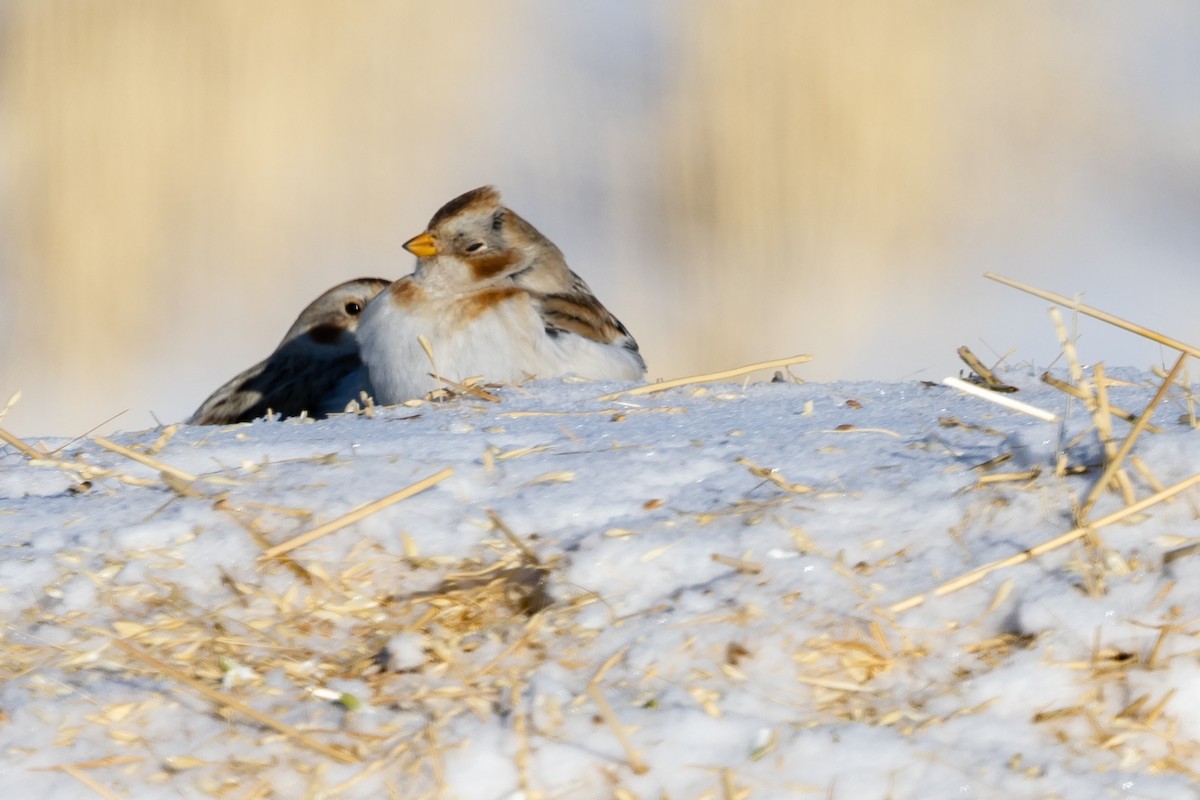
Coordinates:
<point>475,247</point>
<point>353,308</point>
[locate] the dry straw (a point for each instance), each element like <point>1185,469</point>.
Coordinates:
<point>1115,474</point>
<point>1096,313</point>
<point>1118,458</point>
<point>142,458</point>
<point>710,377</point>
<point>336,753</point>
<point>1080,394</point>
<point>22,448</point>
<point>362,512</point>
<point>985,373</point>
<point>81,469</point>
<point>1099,407</point>
<point>88,781</point>
<point>634,758</point>
<point>980,573</point>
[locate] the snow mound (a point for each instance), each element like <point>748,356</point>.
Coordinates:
<point>685,594</point>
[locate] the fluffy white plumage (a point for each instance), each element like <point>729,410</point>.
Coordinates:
<point>494,298</point>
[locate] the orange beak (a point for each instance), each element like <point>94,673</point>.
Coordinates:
<point>422,246</point>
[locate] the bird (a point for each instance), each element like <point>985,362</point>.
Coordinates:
<point>315,369</point>
<point>494,298</point>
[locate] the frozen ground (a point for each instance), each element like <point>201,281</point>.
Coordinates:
<point>668,618</point>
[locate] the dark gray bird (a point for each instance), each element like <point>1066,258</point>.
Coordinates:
<point>315,369</point>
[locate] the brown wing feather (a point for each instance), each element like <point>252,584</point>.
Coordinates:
<point>583,315</point>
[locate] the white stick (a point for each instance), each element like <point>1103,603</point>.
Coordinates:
<point>1001,399</point>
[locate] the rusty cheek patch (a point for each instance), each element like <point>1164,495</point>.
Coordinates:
<point>489,265</point>
<point>327,333</point>
<point>405,293</point>
<point>481,302</point>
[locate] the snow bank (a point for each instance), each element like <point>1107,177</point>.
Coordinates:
<point>684,594</point>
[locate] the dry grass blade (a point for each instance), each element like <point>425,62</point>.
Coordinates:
<point>771,474</point>
<point>1152,480</point>
<point>1079,394</point>
<point>1067,342</point>
<point>225,700</point>
<point>88,432</point>
<point>989,378</point>
<point>107,761</point>
<point>1000,399</point>
<point>729,789</point>
<point>165,470</point>
<point>634,758</point>
<point>452,388</point>
<point>1114,463</point>
<point>12,401</point>
<point>662,386</point>
<point>21,446</point>
<point>254,527</point>
<point>355,515</point>
<point>979,573</point>
<point>142,458</point>
<point>992,463</point>
<point>829,683</point>
<point>852,429</point>
<point>1075,370</point>
<point>1149,477</point>
<point>608,664</point>
<point>1003,477</point>
<point>89,782</point>
<point>1103,419</point>
<point>742,566</point>
<point>529,556</point>
<point>83,470</point>
<point>428,348</point>
<point>1096,313</point>
<point>1189,398</point>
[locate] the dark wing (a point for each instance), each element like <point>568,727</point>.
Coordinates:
<point>582,314</point>
<point>292,380</point>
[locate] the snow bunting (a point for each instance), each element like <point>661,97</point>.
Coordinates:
<point>494,298</point>
<point>316,368</point>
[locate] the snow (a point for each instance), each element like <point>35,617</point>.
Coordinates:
<point>692,599</point>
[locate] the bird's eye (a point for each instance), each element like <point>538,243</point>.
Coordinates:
<point>353,308</point>
<point>475,247</point>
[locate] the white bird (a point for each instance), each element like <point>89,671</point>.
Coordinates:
<point>315,369</point>
<point>494,298</point>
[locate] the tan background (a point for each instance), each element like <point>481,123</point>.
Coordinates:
<point>738,181</point>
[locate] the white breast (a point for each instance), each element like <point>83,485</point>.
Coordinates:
<point>506,343</point>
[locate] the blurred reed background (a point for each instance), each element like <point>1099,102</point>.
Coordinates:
<point>738,181</point>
